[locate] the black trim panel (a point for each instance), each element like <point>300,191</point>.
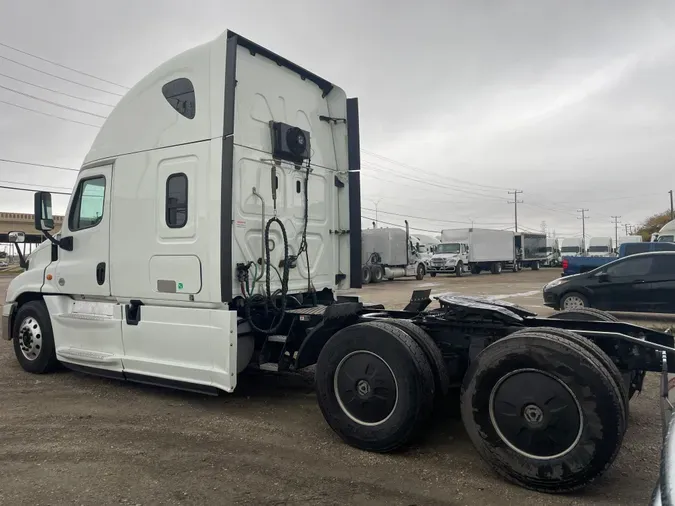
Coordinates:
<point>354,156</point>
<point>227,172</point>
<point>142,378</point>
<point>254,48</point>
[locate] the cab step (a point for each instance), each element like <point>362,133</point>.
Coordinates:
<point>269,366</point>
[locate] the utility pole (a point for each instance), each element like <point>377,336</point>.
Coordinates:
<point>583,227</point>
<point>627,226</point>
<point>616,230</point>
<point>515,205</point>
<point>672,214</point>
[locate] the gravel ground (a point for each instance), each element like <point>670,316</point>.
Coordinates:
<point>68,438</point>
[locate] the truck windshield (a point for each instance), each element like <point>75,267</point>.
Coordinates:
<point>598,249</point>
<point>570,249</point>
<point>666,238</point>
<point>448,248</point>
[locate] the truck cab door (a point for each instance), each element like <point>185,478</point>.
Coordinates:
<point>84,271</point>
<point>87,323</point>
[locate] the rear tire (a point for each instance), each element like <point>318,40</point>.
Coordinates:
<point>34,338</point>
<point>374,386</point>
<point>535,266</point>
<point>421,271</point>
<point>521,383</point>
<point>475,270</point>
<point>377,273</point>
<point>496,268</point>
<point>366,275</point>
<point>431,351</point>
<point>573,300</point>
<point>596,351</point>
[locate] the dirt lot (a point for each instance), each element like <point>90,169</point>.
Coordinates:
<point>69,439</point>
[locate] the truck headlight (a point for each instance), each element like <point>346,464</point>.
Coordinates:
<point>450,261</point>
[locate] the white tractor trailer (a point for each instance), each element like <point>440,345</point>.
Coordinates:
<point>212,222</point>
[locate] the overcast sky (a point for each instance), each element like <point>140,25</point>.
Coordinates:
<point>571,102</point>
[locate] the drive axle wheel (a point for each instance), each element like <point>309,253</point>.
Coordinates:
<point>543,411</point>
<point>366,275</point>
<point>377,273</point>
<point>374,386</point>
<point>594,350</point>
<point>34,339</point>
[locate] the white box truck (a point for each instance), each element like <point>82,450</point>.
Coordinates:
<point>211,223</point>
<point>473,250</point>
<point>530,250</point>
<point>389,253</point>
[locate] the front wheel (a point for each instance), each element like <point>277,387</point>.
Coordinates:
<point>543,412</point>
<point>420,272</point>
<point>459,269</point>
<point>573,300</point>
<point>34,339</point>
<point>374,385</point>
<point>432,274</point>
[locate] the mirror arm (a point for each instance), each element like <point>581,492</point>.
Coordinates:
<point>22,259</point>
<point>65,243</point>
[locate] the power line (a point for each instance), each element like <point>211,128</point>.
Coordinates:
<point>55,91</point>
<point>39,165</point>
<point>429,219</point>
<point>51,103</point>
<point>416,169</point>
<point>62,66</point>
<point>50,115</point>
<point>61,78</point>
<point>31,184</point>
<point>398,225</point>
<point>29,190</point>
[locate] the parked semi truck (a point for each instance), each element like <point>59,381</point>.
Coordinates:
<point>600,247</point>
<point>530,251</point>
<point>572,247</point>
<point>190,252</point>
<point>389,253</point>
<point>666,234</point>
<point>473,250</point>
<point>552,252</point>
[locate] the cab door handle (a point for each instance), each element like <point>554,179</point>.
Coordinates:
<point>100,273</point>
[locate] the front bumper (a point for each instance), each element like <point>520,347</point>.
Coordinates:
<point>5,330</point>
<point>551,300</point>
<point>440,268</point>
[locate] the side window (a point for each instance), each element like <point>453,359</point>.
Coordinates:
<point>176,200</point>
<point>664,265</point>
<point>181,95</point>
<point>631,267</point>
<point>87,209</point>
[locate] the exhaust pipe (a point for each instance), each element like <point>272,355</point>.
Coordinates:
<point>407,243</point>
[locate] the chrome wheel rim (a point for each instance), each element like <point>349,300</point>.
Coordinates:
<point>30,338</point>
<point>366,388</point>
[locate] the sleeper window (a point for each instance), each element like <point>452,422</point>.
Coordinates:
<point>176,200</point>
<point>181,95</point>
<point>87,210</point>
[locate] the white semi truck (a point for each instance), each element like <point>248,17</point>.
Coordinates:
<point>666,234</point>
<point>473,250</point>
<point>389,253</point>
<point>552,252</point>
<point>600,247</point>
<point>211,224</point>
<point>572,247</point>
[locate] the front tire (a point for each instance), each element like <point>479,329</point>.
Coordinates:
<point>420,272</point>
<point>432,274</point>
<point>573,300</point>
<point>374,386</point>
<point>34,338</point>
<point>459,269</point>
<point>543,412</point>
